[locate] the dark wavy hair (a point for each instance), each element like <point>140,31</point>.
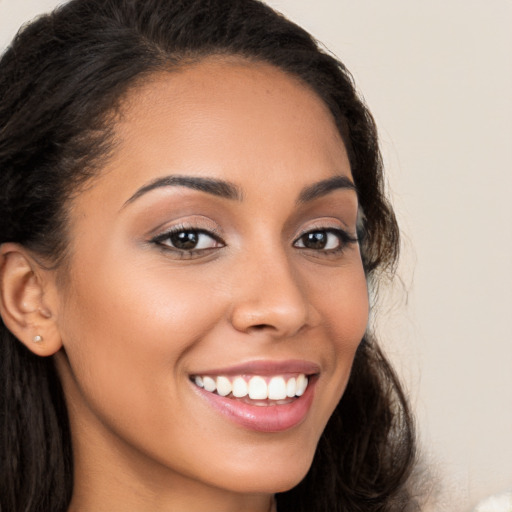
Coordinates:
<point>61,82</point>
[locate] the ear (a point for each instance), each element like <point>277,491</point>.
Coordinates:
<point>26,305</point>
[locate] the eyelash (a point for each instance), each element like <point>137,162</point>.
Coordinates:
<point>344,239</point>
<point>187,253</point>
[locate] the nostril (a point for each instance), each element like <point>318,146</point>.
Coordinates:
<point>260,327</point>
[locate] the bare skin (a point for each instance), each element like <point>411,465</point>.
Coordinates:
<point>137,317</point>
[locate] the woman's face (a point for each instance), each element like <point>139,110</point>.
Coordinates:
<point>214,255</point>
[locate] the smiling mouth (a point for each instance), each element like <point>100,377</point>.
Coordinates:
<point>255,389</point>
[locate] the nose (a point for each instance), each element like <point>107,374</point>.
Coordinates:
<point>270,297</point>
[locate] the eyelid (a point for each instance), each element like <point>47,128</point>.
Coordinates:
<point>345,239</point>
<point>177,229</point>
<point>192,223</point>
<point>328,224</point>
<point>337,231</point>
<point>197,224</point>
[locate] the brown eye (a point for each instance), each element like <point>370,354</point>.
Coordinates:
<point>188,240</point>
<point>329,240</point>
<point>185,240</point>
<point>321,240</point>
<point>316,240</point>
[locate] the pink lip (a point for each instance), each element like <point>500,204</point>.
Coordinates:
<point>271,418</point>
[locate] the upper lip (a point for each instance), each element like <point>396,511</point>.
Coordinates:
<point>262,367</point>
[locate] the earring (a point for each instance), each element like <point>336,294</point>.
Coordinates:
<point>37,339</point>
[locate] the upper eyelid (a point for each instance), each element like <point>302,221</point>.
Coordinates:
<point>327,226</point>
<point>170,231</point>
<point>336,221</point>
<point>178,229</point>
<point>203,226</point>
<point>346,234</point>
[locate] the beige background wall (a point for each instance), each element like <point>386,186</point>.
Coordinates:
<point>438,77</point>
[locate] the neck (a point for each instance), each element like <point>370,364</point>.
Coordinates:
<point>101,493</point>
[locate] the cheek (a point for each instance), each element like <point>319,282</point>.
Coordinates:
<point>342,300</point>
<point>350,321</point>
<point>122,328</point>
<point>127,336</point>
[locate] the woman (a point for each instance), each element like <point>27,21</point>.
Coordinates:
<point>192,211</point>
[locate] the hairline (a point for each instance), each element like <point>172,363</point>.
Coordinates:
<point>110,118</point>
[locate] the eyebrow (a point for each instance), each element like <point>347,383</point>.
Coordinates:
<point>324,187</point>
<point>229,190</point>
<point>212,186</point>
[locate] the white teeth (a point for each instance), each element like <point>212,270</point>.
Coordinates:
<point>239,388</point>
<point>258,389</point>
<point>302,384</point>
<point>277,388</point>
<point>291,387</point>
<point>223,386</point>
<point>209,384</point>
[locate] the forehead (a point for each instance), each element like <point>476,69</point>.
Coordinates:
<point>235,120</point>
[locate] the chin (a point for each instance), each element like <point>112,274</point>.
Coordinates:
<point>272,476</point>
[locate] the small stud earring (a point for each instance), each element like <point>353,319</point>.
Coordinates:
<point>37,339</point>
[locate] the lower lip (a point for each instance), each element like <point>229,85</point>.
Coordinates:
<point>271,418</point>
